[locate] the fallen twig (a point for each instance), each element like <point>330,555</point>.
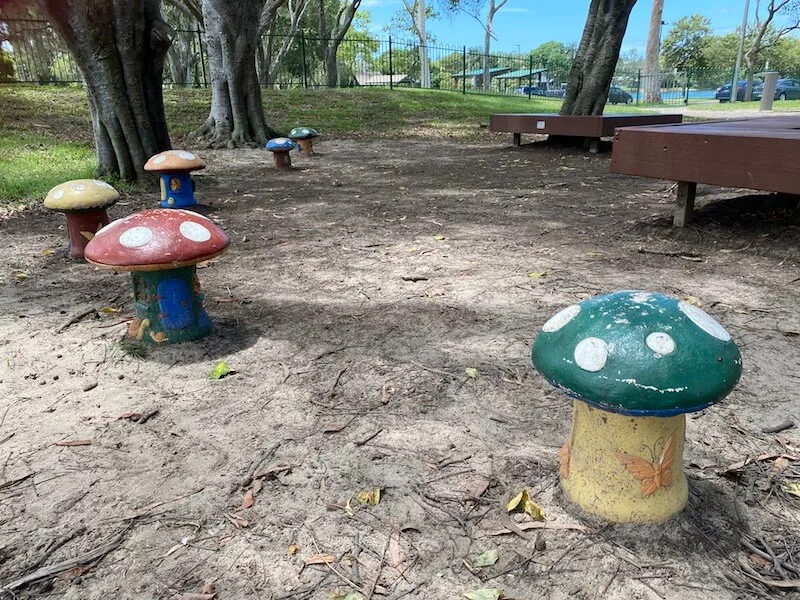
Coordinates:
<point>63,566</point>
<point>72,443</point>
<point>13,482</point>
<point>369,438</point>
<point>542,525</point>
<point>753,459</point>
<point>332,391</point>
<point>77,319</point>
<point>143,512</point>
<point>684,255</point>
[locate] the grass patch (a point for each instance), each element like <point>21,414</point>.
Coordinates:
<point>47,133</point>
<point>30,165</point>
<point>777,106</point>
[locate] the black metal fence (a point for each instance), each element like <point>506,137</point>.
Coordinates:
<point>33,53</point>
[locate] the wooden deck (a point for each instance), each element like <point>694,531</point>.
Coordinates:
<point>591,127</point>
<point>758,153</point>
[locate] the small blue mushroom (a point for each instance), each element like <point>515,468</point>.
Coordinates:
<point>280,148</point>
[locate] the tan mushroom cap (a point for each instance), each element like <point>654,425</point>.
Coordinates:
<point>174,160</point>
<point>80,194</point>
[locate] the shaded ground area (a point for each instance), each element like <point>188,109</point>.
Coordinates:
<point>359,289</point>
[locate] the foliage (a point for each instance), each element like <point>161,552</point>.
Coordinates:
<point>685,44</point>
<point>554,55</point>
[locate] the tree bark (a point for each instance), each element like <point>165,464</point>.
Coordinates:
<point>331,38</point>
<point>652,67</point>
<point>487,41</point>
<point>593,68</point>
<point>236,118</point>
<point>119,46</point>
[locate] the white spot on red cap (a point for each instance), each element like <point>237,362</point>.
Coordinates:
<point>194,232</point>
<point>136,237</point>
<point>159,159</point>
<point>591,354</point>
<point>704,321</point>
<point>561,318</point>
<point>660,343</point>
<point>186,155</point>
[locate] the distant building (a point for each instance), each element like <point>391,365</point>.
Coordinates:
<point>476,76</point>
<point>366,78</point>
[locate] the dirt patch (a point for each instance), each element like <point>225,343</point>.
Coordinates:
<point>358,290</point>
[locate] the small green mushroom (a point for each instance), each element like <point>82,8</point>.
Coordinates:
<point>635,362</point>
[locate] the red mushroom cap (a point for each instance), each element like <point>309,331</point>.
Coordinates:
<point>156,240</point>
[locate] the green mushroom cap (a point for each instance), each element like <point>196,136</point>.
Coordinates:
<point>638,353</point>
<point>303,133</point>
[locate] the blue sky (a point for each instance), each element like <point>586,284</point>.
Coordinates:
<point>533,22</point>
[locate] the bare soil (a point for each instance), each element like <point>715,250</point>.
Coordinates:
<point>359,289</point>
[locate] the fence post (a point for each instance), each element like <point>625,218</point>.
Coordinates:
<point>303,56</point>
<point>530,75</point>
<point>638,87</point>
<point>688,78</point>
<point>391,67</point>
<point>464,71</point>
<point>202,56</point>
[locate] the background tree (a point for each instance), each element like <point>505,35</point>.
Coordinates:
<point>554,56</point>
<point>765,33</point>
<point>119,46</point>
<point>333,23</point>
<point>593,68</point>
<point>182,60</point>
<point>419,14</point>
<point>474,8</point>
<point>236,117</point>
<point>652,93</point>
<point>686,45</point>
<point>278,28</point>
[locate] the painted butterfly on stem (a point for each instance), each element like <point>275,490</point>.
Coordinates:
<point>653,475</point>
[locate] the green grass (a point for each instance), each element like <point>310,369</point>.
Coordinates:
<point>46,136</point>
<point>777,106</point>
<point>32,164</point>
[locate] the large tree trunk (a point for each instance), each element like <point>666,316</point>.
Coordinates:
<point>236,118</point>
<point>593,68</point>
<point>652,67</point>
<point>331,35</point>
<point>119,46</point>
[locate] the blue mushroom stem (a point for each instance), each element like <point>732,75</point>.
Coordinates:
<point>169,306</point>
<point>177,190</point>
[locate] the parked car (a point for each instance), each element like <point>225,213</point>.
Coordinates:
<point>785,89</point>
<point>723,93</point>
<point>616,95</point>
<point>539,91</point>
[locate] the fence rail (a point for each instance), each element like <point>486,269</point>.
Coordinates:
<point>32,52</point>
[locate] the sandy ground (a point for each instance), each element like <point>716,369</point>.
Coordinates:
<point>360,291</point>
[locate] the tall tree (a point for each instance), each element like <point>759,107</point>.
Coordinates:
<point>331,30</point>
<point>767,34</point>
<point>594,64</point>
<point>652,93</point>
<point>277,35</point>
<point>419,14</point>
<point>236,117</point>
<point>686,44</point>
<point>119,46</point>
<point>473,8</point>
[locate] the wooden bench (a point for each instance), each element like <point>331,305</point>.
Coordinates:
<point>758,153</point>
<point>591,127</point>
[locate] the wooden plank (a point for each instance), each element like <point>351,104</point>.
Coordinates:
<point>591,126</point>
<point>727,156</point>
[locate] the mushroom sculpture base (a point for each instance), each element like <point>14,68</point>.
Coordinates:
<point>622,468</point>
<point>306,146</point>
<point>177,190</point>
<point>81,227</point>
<point>282,160</point>
<point>169,307</point>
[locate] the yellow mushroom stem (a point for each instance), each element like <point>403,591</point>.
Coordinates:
<point>623,468</point>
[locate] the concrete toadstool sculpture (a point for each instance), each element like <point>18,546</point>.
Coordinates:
<point>280,148</point>
<point>160,247</point>
<point>84,202</point>
<point>174,168</point>
<point>305,137</point>
<point>635,362</point>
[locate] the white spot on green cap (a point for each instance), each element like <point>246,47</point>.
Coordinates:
<point>704,321</point>
<point>561,318</point>
<point>591,354</point>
